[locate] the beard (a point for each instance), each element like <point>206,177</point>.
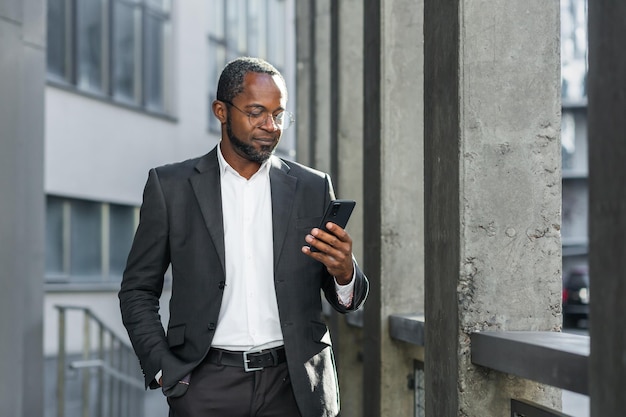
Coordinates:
<point>250,152</point>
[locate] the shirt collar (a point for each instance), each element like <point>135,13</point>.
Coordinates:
<point>225,166</point>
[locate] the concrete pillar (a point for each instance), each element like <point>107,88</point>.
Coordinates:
<point>22,75</point>
<point>393,194</point>
<point>305,56</point>
<point>313,51</point>
<point>329,137</point>
<point>493,193</point>
<point>322,76</point>
<point>607,205</point>
<point>347,168</point>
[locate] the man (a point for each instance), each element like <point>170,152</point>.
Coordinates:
<point>246,335</point>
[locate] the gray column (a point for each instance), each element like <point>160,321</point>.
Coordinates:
<point>313,51</point>
<point>347,169</point>
<point>305,79</point>
<point>22,71</point>
<point>393,192</point>
<point>607,205</point>
<point>322,76</point>
<point>492,192</point>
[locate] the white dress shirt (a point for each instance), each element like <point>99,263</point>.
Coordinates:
<point>249,314</point>
<point>248,317</point>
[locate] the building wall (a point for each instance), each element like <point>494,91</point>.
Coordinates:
<point>99,150</point>
<point>22,66</point>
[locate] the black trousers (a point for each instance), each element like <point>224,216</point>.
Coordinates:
<point>229,391</point>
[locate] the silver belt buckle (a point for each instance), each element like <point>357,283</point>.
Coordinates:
<point>246,361</point>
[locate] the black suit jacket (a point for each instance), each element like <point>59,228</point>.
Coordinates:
<point>181,225</point>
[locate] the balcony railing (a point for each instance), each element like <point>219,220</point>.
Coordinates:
<point>105,366</point>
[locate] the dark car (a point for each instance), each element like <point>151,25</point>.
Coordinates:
<point>576,296</point>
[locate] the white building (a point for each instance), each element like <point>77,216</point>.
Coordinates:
<point>130,86</point>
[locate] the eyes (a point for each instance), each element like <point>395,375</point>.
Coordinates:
<point>260,115</point>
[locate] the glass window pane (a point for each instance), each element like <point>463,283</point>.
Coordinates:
<point>575,212</point>
<point>126,20</point>
<point>574,142</point>
<point>54,237</point>
<point>257,28</point>
<point>159,5</point>
<point>277,16</point>
<point>236,28</point>
<point>89,38</point>
<point>216,30</point>
<point>573,49</point>
<point>156,32</point>
<point>57,42</point>
<point>86,240</point>
<point>122,229</point>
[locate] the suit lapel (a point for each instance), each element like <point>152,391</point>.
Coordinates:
<point>206,186</point>
<point>283,191</point>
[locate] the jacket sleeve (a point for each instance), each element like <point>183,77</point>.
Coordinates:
<point>142,282</point>
<point>361,289</point>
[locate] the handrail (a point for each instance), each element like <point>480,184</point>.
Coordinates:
<point>98,363</point>
<point>113,360</point>
<point>552,358</point>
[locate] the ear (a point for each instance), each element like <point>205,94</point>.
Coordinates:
<point>220,111</point>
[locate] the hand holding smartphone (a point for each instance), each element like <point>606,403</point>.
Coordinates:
<point>338,212</point>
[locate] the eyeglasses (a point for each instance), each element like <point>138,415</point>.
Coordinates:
<point>258,117</point>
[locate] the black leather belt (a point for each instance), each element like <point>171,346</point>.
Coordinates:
<point>249,361</point>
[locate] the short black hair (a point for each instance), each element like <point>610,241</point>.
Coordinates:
<point>231,80</point>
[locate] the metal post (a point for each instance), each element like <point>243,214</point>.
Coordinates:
<point>100,403</point>
<point>86,372</point>
<point>61,366</point>
<point>112,380</point>
<point>120,390</point>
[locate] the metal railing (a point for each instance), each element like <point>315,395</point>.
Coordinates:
<point>105,367</point>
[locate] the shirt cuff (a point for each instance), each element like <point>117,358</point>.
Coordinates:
<point>345,293</point>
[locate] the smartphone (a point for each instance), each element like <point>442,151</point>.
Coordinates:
<point>338,212</point>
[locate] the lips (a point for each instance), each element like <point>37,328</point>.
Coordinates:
<point>265,141</point>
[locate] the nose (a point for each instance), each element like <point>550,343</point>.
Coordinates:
<point>273,125</point>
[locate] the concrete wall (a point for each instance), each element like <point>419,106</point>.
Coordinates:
<point>492,154</point>
<point>22,66</point>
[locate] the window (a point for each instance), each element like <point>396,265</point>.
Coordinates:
<point>574,50</point>
<point>244,27</point>
<point>111,48</point>
<point>87,241</point>
<point>58,41</point>
<point>90,37</point>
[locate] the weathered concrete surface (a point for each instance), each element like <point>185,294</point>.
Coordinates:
<point>492,192</point>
